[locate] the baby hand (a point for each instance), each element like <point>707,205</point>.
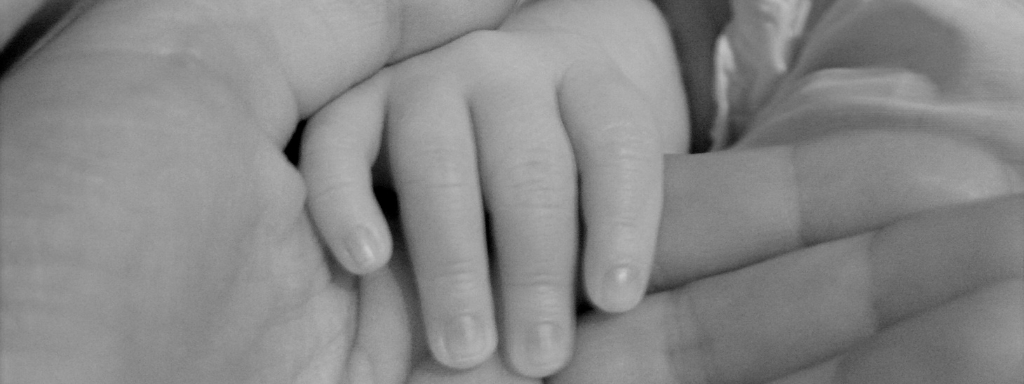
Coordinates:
<point>503,124</point>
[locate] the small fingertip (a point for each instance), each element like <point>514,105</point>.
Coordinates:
<point>621,289</point>
<point>365,251</point>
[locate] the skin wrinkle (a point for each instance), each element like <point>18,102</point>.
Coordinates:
<point>161,94</point>
<point>874,315</point>
<point>299,279</point>
<point>683,310</point>
<point>690,338</point>
<point>447,174</point>
<point>629,61</point>
<point>543,284</point>
<point>153,80</point>
<point>851,301</point>
<point>990,270</point>
<point>537,184</point>
<point>636,149</point>
<point>331,343</point>
<point>128,29</point>
<point>617,139</point>
<point>1013,173</point>
<point>446,159</point>
<point>193,50</point>
<point>542,181</point>
<point>859,365</point>
<point>872,253</point>
<point>867,323</point>
<point>933,183</point>
<point>325,283</point>
<point>797,210</point>
<point>401,12</point>
<point>1019,215</point>
<point>459,276</point>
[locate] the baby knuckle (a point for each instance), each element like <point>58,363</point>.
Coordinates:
<point>545,301</point>
<point>689,344</point>
<point>459,278</point>
<point>627,226</point>
<point>541,285</point>
<point>541,179</point>
<point>440,168</point>
<point>628,141</point>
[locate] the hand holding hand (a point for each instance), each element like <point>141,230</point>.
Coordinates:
<point>152,231</point>
<point>866,230</point>
<point>502,122</point>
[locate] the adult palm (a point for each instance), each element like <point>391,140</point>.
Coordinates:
<point>152,229</point>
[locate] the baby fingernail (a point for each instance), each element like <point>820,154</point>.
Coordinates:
<point>543,343</point>
<point>360,247</point>
<point>464,339</point>
<point>620,290</point>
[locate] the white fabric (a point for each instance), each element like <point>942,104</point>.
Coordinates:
<point>794,70</point>
<point>753,52</point>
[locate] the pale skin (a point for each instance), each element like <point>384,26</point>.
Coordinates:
<point>144,279</point>
<point>872,220</point>
<point>117,268</point>
<point>553,94</point>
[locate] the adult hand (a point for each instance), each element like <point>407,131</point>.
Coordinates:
<point>935,297</point>
<point>152,230</point>
<point>867,230</point>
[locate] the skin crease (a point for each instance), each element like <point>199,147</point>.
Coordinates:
<point>539,90</point>
<point>148,236</point>
<point>895,177</point>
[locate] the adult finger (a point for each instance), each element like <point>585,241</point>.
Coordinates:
<point>778,316</point>
<point>433,157</point>
<point>529,176</point>
<point>724,210</point>
<point>843,80</point>
<point>619,157</point>
<point>974,339</point>
<point>339,148</point>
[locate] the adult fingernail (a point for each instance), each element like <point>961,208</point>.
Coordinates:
<point>620,290</point>
<point>360,247</point>
<point>464,339</point>
<point>543,344</point>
